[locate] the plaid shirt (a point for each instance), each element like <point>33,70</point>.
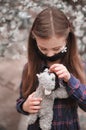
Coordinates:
<point>65,110</point>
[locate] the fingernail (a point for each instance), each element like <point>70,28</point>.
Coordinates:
<point>41,99</point>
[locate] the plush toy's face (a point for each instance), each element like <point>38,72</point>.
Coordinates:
<point>47,81</point>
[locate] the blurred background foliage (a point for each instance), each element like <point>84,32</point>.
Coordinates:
<point>16,18</point>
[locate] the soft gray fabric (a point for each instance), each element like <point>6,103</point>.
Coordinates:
<point>45,114</point>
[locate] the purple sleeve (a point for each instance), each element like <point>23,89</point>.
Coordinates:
<point>19,106</point>
<point>19,103</point>
<point>78,91</point>
<point>21,100</point>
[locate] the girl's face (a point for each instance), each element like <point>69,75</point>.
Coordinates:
<point>51,46</point>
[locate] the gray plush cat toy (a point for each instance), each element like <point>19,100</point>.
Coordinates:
<point>46,91</point>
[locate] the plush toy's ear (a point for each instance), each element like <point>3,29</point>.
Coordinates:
<point>37,75</point>
<point>52,76</point>
<point>46,70</point>
<point>47,92</point>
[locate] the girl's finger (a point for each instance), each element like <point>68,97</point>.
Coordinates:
<point>35,107</point>
<point>53,66</point>
<point>59,72</point>
<point>31,95</point>
<point>36,99</point>
<point>61,75</point>
<point>56,66</point>
<point>35,103</point>
<point>34,111</point>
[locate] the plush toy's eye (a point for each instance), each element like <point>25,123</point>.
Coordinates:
<point>52,79</point>
<point>48,73</point>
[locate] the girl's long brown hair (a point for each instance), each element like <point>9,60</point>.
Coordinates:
<point>49,22</point>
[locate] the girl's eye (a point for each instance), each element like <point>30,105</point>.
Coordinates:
<point>56,49</point>
<point>43,49</point>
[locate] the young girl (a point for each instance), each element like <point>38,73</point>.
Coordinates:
<point>52,44</point>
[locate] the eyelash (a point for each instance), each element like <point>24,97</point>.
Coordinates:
<point>56,49</point>
<point>53,49</point>
<point>44,49</point>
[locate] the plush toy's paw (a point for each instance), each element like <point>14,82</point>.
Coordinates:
<point>47,92</point>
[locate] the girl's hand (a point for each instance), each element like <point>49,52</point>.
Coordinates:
<point>32,105</point>
<point>61,71</point>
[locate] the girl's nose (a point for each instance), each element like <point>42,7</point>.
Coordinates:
<point>50,53</point>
